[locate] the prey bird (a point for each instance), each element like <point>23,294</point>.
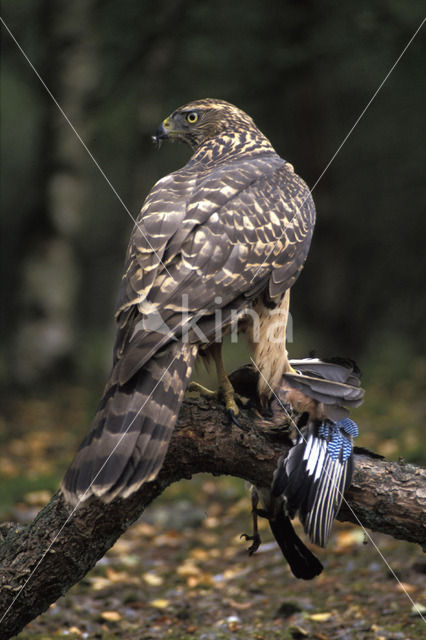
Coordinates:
<point>318,469</point>
<point>313,477</point>
<point>224,237</point>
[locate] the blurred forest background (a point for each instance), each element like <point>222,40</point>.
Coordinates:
<point>304,71</point>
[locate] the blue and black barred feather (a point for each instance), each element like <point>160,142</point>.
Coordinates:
<point>315,475</point>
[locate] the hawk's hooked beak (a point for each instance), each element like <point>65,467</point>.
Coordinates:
<point>162,133</point>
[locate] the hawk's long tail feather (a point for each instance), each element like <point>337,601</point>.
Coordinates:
<point>315,474</point>
<point>131,430</point>
<point>302,562</point>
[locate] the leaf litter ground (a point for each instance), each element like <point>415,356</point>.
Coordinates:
<point>182,572</point>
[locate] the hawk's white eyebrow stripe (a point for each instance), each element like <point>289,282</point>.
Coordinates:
<point>345,139</point>
<point>80,139</point>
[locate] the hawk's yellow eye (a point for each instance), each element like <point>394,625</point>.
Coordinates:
<point>192,117</point>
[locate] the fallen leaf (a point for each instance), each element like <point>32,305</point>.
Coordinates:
<point>211,522</point>
<point>206,579</point>
<point>145,529</point>
<point>111,616</point>
<point>418,609</point>
<point>153,579</point>
<point>162,620</point>
<point>349,538</point>
<point>188,568</point>
<point>169,539</point>
<point>99,582</point>
<point>117,576</point>
<point>160,603</point>
<point>233,626</point>
<point>320,617</point>
<point>234,572</point>
<point>240,605</point>
<point>199,554</point>
<point>405,587</point>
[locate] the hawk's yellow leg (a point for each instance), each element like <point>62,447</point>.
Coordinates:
<point>226,390</point>
<point>225,386</point>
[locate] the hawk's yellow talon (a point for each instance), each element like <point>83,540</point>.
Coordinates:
<point>196,387</point>
<point>226,390</point>
<point>231,405</point>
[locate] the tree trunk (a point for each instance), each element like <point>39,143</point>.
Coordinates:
<point>45,337</point>
<point>40,562</point>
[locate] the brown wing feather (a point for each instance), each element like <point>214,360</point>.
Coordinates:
<point>237,215</point>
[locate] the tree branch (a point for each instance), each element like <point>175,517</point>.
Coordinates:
<point>60,546</point>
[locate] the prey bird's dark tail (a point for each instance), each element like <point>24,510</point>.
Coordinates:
<point>302,562</point>
<point>129,437</point>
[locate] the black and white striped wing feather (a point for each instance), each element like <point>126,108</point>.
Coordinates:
<point>315,475</point>
<point>330,478</point>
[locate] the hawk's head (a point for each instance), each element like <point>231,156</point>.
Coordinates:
<point>198,121</point>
